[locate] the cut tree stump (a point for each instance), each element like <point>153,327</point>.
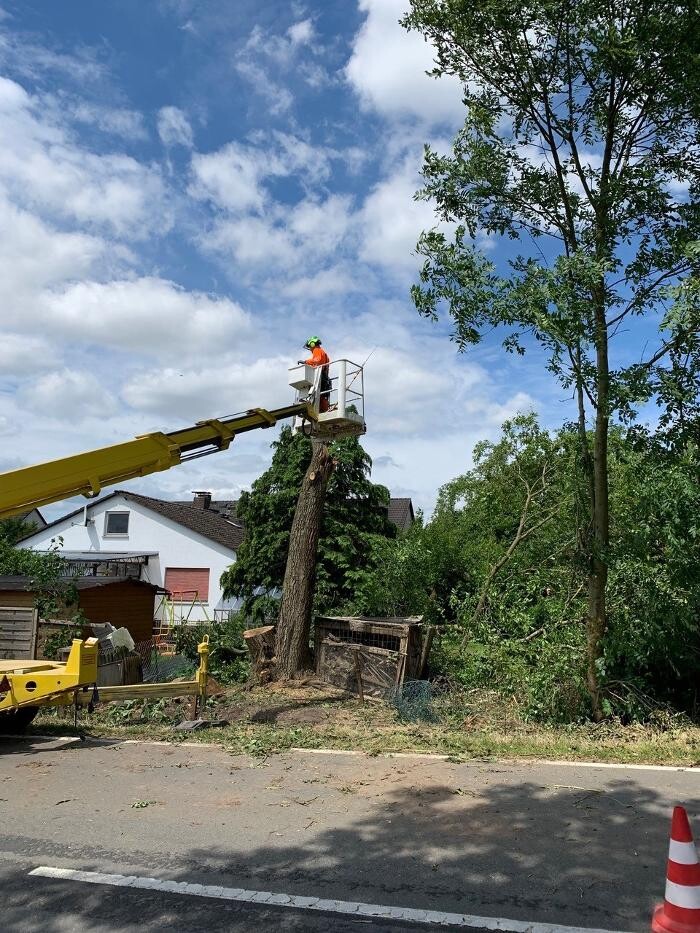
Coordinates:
<point>260,643</point>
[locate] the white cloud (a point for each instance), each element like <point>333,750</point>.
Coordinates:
<point>207,391</point>
<point>391,220</point>
<point>35,256</point>
<point>387,69</point>
<point>149,315</point>
<point>117,121</point>
<point>336,280</point>
<point>174,128</point>
<point>293,53</point>
<point>231,177</point>
<point>284,237</point>
<point>32,60</point>
<point>282,50</point>
<point>21,355</point>
<point>279,98</point>
<point>301,33</point>
<point>46,170</point>
<point>69,395</point>
<point>296,156</point>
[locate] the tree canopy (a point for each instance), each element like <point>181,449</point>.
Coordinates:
<point>499,568</point>
<point>46,573</point>
<point>355,512</point>
<point>581,148</point>
<point>13,530</point>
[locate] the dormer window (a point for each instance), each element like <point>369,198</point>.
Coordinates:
<point>116,525</point>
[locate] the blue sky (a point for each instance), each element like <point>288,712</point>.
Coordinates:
<point>188,188</point>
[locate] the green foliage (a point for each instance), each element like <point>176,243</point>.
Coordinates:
<point>13,530</point>
<point>507,583</point>
<point>228,658</point>
<point>546,84</point>
<point>580,146</point>
<point>46,575</point>
<point>60,638</point>
<point>653,641</point>
<point>355,515</point>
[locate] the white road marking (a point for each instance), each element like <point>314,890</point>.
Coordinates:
<point>523,762</point>
<point>428,756</point>
<point>297,902</point>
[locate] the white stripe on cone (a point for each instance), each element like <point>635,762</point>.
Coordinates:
<point>683,853</point>
<point>683,895</point>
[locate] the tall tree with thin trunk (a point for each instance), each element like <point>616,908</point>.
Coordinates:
<point>294,625</point>
<point>581,148</point>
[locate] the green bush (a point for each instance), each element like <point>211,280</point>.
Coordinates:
<point>61,638</point>
<point>227,664</point>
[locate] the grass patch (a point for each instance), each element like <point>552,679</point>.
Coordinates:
<point>265,722</point>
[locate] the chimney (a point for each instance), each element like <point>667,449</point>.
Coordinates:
<point>202,499</point>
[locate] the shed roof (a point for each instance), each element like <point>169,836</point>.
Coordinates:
<point>24,584</point>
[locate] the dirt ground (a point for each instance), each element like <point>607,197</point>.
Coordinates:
<point>310,714</point>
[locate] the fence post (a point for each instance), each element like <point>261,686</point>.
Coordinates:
<point>342,386</point>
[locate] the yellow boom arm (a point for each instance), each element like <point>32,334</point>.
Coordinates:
<point>27,488</point>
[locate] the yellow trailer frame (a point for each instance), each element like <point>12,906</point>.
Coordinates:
<point>48,683</point>
<point>31,683</point>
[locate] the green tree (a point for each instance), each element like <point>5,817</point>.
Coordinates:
<point>46,574</point>
<point>13,530</point>
<point>653,643</point>
<point>581,146</point>
<point>355,511</point>
<point>511,589</point>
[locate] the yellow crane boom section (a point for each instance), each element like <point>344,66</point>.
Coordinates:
<point>87,473</point>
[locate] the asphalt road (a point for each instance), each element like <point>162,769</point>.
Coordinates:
<point>569,845</point>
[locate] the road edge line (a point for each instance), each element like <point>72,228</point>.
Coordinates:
<point>298,902</point>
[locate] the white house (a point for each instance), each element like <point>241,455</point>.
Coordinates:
<point>183,547</point>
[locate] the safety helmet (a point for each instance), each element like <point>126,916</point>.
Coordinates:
<point>313,342</point>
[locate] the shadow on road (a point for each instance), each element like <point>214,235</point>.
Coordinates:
<point>41,744</point>
<point>522,850</point>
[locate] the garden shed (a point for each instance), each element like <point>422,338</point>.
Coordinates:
<point>122,602</point>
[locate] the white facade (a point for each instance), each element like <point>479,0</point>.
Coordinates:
<point>148,532</point>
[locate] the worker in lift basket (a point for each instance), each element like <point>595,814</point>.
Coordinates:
<point>319,357</point>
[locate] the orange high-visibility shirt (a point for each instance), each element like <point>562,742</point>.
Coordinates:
<point>318,357</point>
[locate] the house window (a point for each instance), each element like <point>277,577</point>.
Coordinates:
<point>116,524</point>
<point>187,584</point>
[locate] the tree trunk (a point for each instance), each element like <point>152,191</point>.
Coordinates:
<point>598,579</point>
<point>294,624</point>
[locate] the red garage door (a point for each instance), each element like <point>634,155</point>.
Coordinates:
<point>187,583</point>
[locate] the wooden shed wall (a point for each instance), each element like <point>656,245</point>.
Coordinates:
<point>122,604</point>
<point>17,598</point>
<point>18,630</point>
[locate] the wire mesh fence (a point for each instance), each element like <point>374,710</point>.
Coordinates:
<point>161,668</point>
<point>413,701</point>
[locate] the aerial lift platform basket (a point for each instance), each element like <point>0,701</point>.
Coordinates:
<point>339,411</point>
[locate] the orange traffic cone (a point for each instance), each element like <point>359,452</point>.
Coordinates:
<point>680,911</point>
